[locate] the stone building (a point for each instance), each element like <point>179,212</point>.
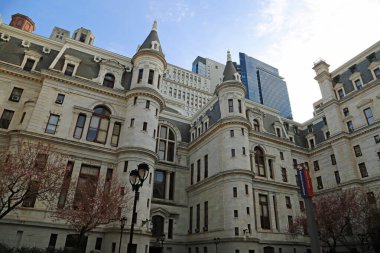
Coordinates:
<point>222,174</point>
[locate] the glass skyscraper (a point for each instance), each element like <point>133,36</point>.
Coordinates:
<point>264,84</point>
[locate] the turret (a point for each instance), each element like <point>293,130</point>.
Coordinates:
<point>323,77</point>
<point>22,22</point>
<point>231,92</point>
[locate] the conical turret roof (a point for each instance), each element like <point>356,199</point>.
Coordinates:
<point>153,36</point>
<point>230,70</point>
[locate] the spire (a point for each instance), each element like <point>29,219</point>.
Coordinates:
<point>154,27</point>
<point>152,42</point>
<point>229,73</point>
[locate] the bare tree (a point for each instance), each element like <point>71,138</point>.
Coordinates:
<point>31,171</point>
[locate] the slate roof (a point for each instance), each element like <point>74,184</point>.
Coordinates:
<point>153,36</point>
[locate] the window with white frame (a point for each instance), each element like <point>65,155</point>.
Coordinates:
<point>30,61</point>
<point>98,129</point>
<point>369,115</point>
<point>71,65</point>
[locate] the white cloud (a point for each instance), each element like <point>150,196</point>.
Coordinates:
<point>302,31</point>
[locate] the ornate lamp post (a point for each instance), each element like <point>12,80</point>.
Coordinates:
<point>216,241</point>
<point>161,240</point>
<point>123,220</point>
<point>136,178</point>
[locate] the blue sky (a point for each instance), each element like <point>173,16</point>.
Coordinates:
<point>288,34</point>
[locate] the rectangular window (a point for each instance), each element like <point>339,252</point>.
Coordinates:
<point>79,126</point>
<point>311,143</point>
<point>316,165</point>
<point>22,117</point>
<point>113,247</point>
<point>198,221</point>
<point>327,134</point>
<point>333,160</point>
<point>125,166</point>
<point>284,175</point>
<point>115,134</point>
<point>65,184</point>
<point>324,120</point>
<point>376,138</point>
<point>191,220</point>
<point>147,104</point>
<point>170,229</point>
<point>159,184</point>
<point>264,211</point>
<point>310,128</point>
<point>346,112</point>
<point>52,241</point>
<point>145,126</point>
<point>248,211</point>
<point>87,181</point>
<point>281,155</point>
<point>288,202</point>
<point>341,93</point>
<point>243,150</point>
<point>246,189</point>
<point>290,221</point>
<point>140,76</point>
<point>205,216</point>
<point>150,77</point>
<point>198,170</point>
<point>134,100</point>
<point>107,183</point>
<point>31,194</point>
<point>337,177</point>
<point>350,126</point>
<point>29,64</point>
<point>52,124</point>
<point>270,165</point>
<point>234,192</point>
<point>239,106</point>
<point>319,183</point>
<point>236,214</point>
<point>363,170</point>
<point>132,122</point>
<point>192,173</point>
<point>278,132</point>
<point>98,243</point>
<point>233,152</point>
<point>357,151</point>
<point>69,70</point>
<point>232,133</point>
<point>242,131</point>
<point>358,84</point>
<point>16,94</point>
<point>206,166</point>
<point>60,98</point>
<point>369,116</point>
<point>171,185</point>
<point>236,232</point>
<point>230,105</point>
<point>6,118</point>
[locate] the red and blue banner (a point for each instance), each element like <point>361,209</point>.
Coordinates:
<point>304,181</point>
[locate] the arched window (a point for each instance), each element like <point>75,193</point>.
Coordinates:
<point>166,144</point>
<point>109,80</point>
<point>100,120</point>
<point>256,125</point>
<point>158,226</point>
<point>260,161</point>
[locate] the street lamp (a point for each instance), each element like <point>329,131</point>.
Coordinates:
<point>136,178</point>
<point>161,240</point>
<point>123,220</point>
<point>216,241</point>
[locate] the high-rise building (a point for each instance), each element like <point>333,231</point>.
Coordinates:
<point>210,69</point>
<point>265,85</point>
<point>221,167</point>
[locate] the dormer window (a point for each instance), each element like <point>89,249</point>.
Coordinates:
<point>237,76</point>
<point>340,93</point>
<point>30,61</point>
<point>377,72</point>
<point>29,65</point>
<point>155,45</point>
<point>69,69</point>
<point>71,65</point>
<point>109,80</point>
<point>358,84</point>
<point>82,37</point>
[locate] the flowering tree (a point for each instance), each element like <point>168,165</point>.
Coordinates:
<point>92,204</point>
<point>341,216</point>
<point>30,171</point>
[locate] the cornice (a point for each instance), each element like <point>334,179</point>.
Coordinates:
<point>228,84</point>
<point>139,151</point>
<point>147,92</point>
<point>150,53</point>
<point>234,120</point>
<point>19,72</point>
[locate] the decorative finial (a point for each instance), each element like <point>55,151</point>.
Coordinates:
<point>229,55</point>
<point>154,27</point>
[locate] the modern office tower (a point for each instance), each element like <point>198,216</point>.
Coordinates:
<point>265,85</point>
<point>210,69</point>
